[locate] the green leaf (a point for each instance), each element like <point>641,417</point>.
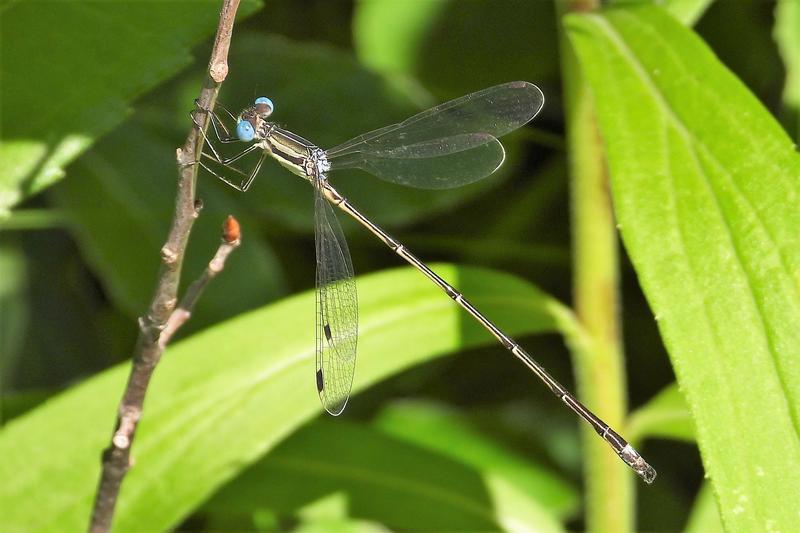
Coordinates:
<point>417,489</point>
<point>705,516</point>
<point>686,11</point>
<point>334,525</point>
<point>665,415</point>
<point>705,186</point>
<point>409,24</point>
<point>64,85</point>
<point>224,397</point>
<point>120,203</point>
<point>436,427</point>
<point>436,42</point>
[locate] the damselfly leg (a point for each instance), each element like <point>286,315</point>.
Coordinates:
<point>216,122</point>
<point>223,135</point>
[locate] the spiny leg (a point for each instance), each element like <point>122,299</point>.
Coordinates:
<point>216,124</point>
<point>229,160</point>
<point>215,156</point>
<point>216,104</point>
<point>246,184</point>
<point>220,176</point>
<point>248,177</point>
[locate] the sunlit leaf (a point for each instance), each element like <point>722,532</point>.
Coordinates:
<point>64,86</point>
<point>224,397</point>
<point>665,415</point>
<point>706,187</point>
<point>705,516</point>
<point>686,11</point>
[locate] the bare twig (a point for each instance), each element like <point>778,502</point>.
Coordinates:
<point>230,242</point>
<point>148,349</point>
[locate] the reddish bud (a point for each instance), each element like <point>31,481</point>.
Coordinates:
<point>231,231</point>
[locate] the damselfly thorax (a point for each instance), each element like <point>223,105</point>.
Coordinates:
<point>298,155</point>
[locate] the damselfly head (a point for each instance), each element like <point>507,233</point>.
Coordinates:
<point>252,118</point>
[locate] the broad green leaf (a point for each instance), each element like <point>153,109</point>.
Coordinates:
<point>437,428</point>
<point>705,516</point>
<point>416,489</point>
<point>120,203</point>
<point>438,41</point>
<point>665,415</point>
<point>409,24</point>
<point>706,186</point>
<point>686,11</point>
<point>70,70</point>
<point>225,396</point>
<point>334,525</point>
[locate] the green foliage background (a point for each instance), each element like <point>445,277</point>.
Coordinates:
<point>445,430</point>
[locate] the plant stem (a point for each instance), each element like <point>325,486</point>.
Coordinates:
<point>148,349</point>
<point>600,370</point>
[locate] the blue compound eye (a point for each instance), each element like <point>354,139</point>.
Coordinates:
<point>264,100</point>
<point>264,105</point>
<point>245,131</point>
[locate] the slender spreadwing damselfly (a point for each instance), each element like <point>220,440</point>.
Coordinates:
<point>452,144</point>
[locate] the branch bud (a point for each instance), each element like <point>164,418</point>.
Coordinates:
<point>231,231</point>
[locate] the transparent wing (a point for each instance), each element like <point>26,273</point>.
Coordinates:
<point>337,309</point>
<point>466,127</point>
<point>435,164</point>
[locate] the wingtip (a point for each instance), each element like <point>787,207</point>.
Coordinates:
<point>534,91</point>
<point>333,408</point>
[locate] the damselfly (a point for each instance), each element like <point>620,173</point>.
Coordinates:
<point>450,145</point>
